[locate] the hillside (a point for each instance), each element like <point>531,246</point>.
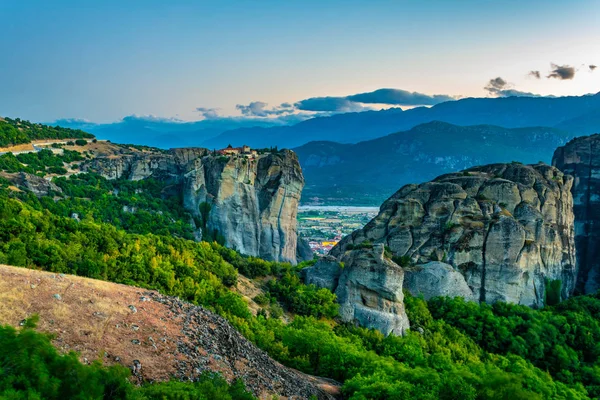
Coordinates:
<point>370,171</point>
<point>574,113</point>
<point>17,131</point>
<point>121,324</point>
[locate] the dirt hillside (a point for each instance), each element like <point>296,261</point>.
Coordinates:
<point>133,326</point>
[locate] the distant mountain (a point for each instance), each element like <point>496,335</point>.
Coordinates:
<point>164,133</point>
<point>578,113</point>
<point>368,172</point>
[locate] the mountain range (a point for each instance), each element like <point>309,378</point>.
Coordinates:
<point>579,115</point>
<point>367,172</point>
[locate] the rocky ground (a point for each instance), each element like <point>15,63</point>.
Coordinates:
<point>157,336</point>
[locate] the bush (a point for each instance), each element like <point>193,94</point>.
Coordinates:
<point>81,142</point>
<point>32,368</point>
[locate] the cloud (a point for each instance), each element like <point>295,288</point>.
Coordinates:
<point>496,84</point>
<point>399,97</point>
<point>593,67</point>
<point>562,72</point>
<point>535,74</point>
<point>259,109</point>
<point>330,104</point>
<point>208,113</point>
<point>498,87</point>
<point>359,102</point>
<point>150,118</point>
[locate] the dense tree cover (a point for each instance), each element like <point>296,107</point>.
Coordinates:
<point>287,286</point>
<point>17,131</point>
<point>31,368</point>
<point>563,340</point>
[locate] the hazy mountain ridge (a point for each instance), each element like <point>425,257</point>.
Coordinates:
<point>164,133</point>
<point>369,171</point>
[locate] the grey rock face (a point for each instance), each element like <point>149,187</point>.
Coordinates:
<point>303,250</point>
<point>581,159</point>
<point>368,288</point>
<point>253,201</point>
<point>437,279</point>
<point>37,185</point>
<point>325,273</point>
<point>506,228</point>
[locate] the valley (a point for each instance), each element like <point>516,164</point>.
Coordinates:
<point>324,226</point>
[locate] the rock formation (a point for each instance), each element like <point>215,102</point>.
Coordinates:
<point>368,287</point>
<point>494,233</point>
<point>35,184</point>
<point>581,159</point>
<point>251,202</point>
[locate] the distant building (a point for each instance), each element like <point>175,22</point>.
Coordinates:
<point>244,150</point>
<point>328,243</point>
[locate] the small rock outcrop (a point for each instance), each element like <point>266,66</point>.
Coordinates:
<point>368,287</point>
<point>249,201</point>
<point>437,279</point>
<point>493,233</point>
<point>35,184</point>
<point>581,159</point>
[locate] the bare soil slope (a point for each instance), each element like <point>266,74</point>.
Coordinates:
<point>169,338</point>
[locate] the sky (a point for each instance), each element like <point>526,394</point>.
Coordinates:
<point>104,60</point>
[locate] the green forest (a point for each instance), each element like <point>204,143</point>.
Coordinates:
<point>17,131</point>
<point>133,233</point>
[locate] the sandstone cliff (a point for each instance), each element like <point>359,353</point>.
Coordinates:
<point>581,159</point>
<point>493,233</point>
<point>252,201</point>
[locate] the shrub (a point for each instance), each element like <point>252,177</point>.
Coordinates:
<point>403,261</point>
<point>262,299</point>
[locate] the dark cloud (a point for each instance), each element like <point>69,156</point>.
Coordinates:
<point>496,84</point>
<point>260,109</point>
<point>535,74</point>
<point>329,104</point>
<point>208,113</point>
<point>498,87</point>
<point>353,103</point>
<point>562,72</point>
<point>593,67</point>
<point>399,97</point>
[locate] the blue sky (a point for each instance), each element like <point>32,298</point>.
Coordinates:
<point>103,60</point>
